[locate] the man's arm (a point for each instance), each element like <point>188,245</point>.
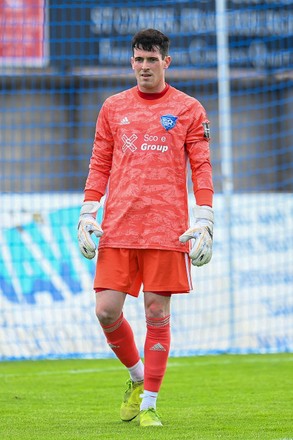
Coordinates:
<point>101,158</point>
<point>95,187</point>
<point>201,233</point>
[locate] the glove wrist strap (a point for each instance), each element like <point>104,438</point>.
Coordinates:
<point>204,212</point>
<point>90,208</point>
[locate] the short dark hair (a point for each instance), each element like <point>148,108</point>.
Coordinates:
<point>149,40</point>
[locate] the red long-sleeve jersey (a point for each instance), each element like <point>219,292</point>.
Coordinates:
<point>139,160</point>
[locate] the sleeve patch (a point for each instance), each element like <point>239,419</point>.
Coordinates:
<point>206,128</point>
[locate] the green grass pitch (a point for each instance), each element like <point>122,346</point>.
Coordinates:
<point>210,397</point>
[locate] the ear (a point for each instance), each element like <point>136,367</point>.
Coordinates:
<point>132,62</point>
<point>167,60</point>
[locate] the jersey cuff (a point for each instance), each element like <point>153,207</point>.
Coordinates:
<point>92,195</point>
<point>204,197</point>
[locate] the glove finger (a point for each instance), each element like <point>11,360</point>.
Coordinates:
<point>201,252</point>
<point>202,259</point>
<point>86,253</point>
<point>197,247</point>
<point>188,236</point>
<point>184,238</point>
<point>86,244</point>
<point>98,232</point>
<point>190,233</point>
<point>86,239</point>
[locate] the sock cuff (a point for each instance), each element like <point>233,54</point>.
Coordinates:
<point>112,327</point>
<point>158,322</point>
<point>149,393</point>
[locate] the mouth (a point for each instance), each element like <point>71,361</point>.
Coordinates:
<point>145,75</point>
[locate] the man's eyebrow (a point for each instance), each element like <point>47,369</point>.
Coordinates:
<point>152,57</point>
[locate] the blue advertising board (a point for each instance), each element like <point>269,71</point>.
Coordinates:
<point>98,33</point>
<point>240,304</point>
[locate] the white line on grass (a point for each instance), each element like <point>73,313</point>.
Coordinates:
<point>171,364</point>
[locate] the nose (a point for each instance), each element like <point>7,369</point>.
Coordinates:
<point>145,64</point>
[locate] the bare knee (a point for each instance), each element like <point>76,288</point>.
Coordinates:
<point>155,311</point>
<point>106,316</point>
<point>156,306</point>
<point>109,307</point>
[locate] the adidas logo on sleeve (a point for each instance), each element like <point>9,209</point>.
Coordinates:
<point>124,121</point>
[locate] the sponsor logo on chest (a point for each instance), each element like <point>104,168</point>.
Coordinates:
<point>145,142</point>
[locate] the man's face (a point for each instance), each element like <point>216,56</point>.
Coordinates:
<point>149,68</point>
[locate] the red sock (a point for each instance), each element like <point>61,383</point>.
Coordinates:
<point>121,340</point>
<point>156,351</point>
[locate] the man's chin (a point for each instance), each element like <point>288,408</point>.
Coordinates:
<point>146,84</point>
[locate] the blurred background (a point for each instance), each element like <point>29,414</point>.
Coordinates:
<point>59,61</point>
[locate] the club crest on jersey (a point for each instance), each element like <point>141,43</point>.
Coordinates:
<point>168,121</point>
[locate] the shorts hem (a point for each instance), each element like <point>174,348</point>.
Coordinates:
<point>136,295</point>
<point>154,248</point>
<point>117,289</point>
<point>172,291</point>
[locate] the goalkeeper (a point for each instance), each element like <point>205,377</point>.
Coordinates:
<point>143,140</point>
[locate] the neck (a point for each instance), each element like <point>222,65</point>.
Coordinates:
<point>158,89</point>
<point>153,95</point>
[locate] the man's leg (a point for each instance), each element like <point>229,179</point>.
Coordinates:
<point>156,351</point>
<point>119,335</point>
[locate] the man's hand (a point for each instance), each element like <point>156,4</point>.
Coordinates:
<point>88,225</point>
<point>202,233</point>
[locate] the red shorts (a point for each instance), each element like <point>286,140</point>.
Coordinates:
<point>127,270</point>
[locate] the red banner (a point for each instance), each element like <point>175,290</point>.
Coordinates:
<point>23,33</point>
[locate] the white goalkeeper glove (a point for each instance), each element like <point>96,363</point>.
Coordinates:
<point>88,225</point>
<point>202,233</point>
